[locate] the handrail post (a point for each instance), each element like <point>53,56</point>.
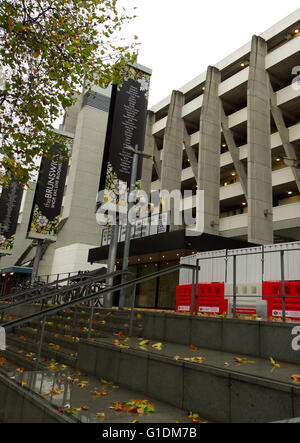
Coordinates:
<point>91,319</point>
<point>192,304</point>
<point>132,311</point>
<point>41,341</point>
<point>283,292</point>
<point>234,288</point>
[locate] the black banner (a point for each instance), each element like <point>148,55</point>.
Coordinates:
<point>46,208</point>
<point>10,202</point>
<point>126,127</point>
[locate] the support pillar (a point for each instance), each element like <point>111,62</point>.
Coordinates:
<point>260,196</point>
<point>209,151</point>
<point>172,150</point>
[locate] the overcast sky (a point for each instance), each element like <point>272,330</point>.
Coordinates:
<point>180,38</point>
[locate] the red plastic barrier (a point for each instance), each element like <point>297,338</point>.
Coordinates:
<point>271,291</point>
<point>209,298</point>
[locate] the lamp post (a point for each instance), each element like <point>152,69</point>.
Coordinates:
<point>136,154</point>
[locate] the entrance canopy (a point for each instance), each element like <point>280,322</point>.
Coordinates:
<point>169,246</point>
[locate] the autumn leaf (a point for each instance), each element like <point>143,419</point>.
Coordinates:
<point>157,346</point>
<point>144,342</point>
<point>193,348</point>
<point>3,360</point>
<point>273,363</point>
<point>96,393</point>
<point>21,370</point>
<point>100,415</point>
<point>243,360</point>
<point>82,384</point>
<point>106,382</point>
<point>295,378</point>
<point>56,392</point>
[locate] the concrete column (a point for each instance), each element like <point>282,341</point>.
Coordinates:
<point>172,148</point>
<point>260,199</point>
<point>147,164</point>
<point>209,151</point>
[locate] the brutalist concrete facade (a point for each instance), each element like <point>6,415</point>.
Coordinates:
<point>228,131</point>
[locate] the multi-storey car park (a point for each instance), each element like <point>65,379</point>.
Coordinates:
<point>228,131</point>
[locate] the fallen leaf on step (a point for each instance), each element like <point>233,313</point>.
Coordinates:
<point>105,382</point>
<point>85,408</point>
<point>21,370</point>
<point>193,348</point>
<point>96,393</point>
<point>23,383</point>
<point>2,360</point>
<point>82,384</point>
<point>100,415</point>
<point>157,346</point>
<point>273,363</point>
<point>195,359</point>
<point>144,342</point>
<point>56,392</point>
<point>295,378</point>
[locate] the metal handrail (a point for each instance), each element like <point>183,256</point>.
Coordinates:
<point>43,287</point>
<point>63,291</point>
<point>53,310</point>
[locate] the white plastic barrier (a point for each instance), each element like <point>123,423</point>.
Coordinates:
<point>212,267</point>
<point>261,264</point>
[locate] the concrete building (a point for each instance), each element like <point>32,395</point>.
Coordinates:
<point>228,131</point>
<point>85,123</point>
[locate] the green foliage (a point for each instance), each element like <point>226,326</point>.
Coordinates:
<point>48,51</point>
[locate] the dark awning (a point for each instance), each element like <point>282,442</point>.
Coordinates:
<point>16,270</point>
<point>170,241</point>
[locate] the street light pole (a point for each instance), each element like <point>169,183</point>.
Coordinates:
<point>136,154</point>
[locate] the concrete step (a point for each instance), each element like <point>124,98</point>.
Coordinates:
<point>71,394</point>
<point>222,389</point>
<point>63,355</point>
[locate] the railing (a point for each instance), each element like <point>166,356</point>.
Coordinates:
<point>87,298</point>
<point>70,292</point>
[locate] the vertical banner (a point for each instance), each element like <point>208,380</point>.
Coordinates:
<point>126,127</point>
<point>10,203</point>
<point>47,202</point>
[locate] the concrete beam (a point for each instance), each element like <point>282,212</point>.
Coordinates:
<point>209,151</point>
<point>289,148</point>
<point>260,195</point>
<point>234,151</point>
<point>191,154</point>
<point>172,149</point>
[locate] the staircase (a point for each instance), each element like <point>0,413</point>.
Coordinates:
<point>191,368</point>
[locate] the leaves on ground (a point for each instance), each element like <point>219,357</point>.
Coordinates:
<point>96,393</point>
<point>273,363</point>
<point>106,382</point>
<point>100,415</point>
<point>157,346</point>
<point>193,348</point>
<point>190,360</point>
<point>134,406</point>
<point>295,378</point>
<point>3,360</point>
<point>56,391</point>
